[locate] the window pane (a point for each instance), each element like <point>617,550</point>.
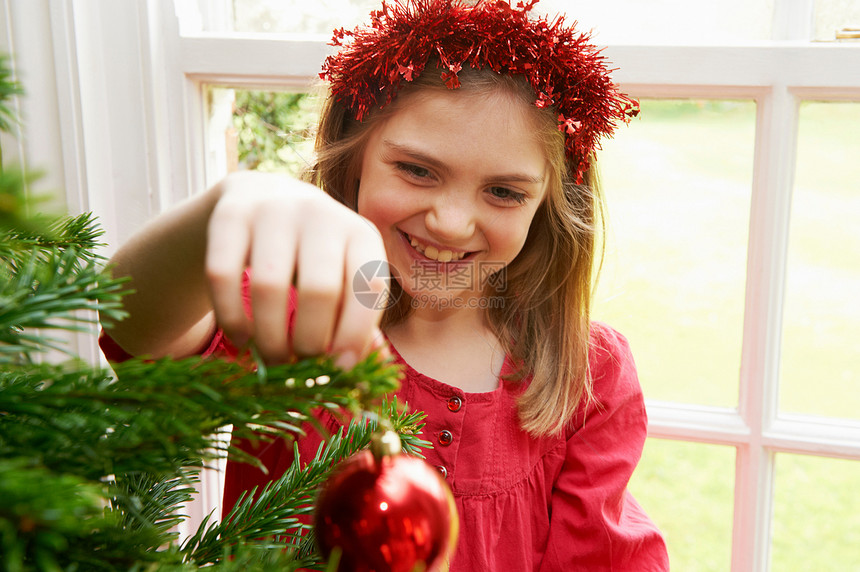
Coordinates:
<point>300,16</point>
<point>656,21</point>
<point>834,15</point>
<point>820,371</point>
<point>816,514</point>
<point>687,489</point>
<point>678,185</point>
<point>669,21</point>
<point>272,130</point>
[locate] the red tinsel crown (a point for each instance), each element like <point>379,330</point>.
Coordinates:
<point>563,68</point>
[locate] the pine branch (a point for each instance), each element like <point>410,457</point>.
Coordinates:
<point>142,509</point>
<point>245,558</point>
<point>408,425</point>
<point>23,234</point>
<point>41,513</point>
<point>145,426</point>
<point>14,205</point>
<point>49,278</point>
<point>275,514</point>
<point>45,234</point>
<point>146,500</point>
<point>51,291</point>
<point>8,88</point>
<point>51,521</point>
<point>155,415</point>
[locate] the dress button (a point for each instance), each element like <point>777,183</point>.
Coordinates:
<point>443,471</point>
<point>446,437</point>
<point>454,404</point>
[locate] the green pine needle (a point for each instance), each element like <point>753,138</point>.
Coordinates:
<point>275,513</point>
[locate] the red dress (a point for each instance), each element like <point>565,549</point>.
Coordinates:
<point>553,504</point>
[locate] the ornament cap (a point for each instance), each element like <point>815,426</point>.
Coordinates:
<point>385,444</point>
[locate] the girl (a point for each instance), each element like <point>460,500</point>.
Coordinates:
<point>455,145</point>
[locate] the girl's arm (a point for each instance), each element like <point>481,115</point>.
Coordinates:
<point>170,311</point>
<point>596,524</point>
<point>187,268</point>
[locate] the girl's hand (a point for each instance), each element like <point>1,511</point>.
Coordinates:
<point>290,232</point>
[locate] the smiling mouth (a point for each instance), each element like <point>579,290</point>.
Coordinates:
<point>433,253</point>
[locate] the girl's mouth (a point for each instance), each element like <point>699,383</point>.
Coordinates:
<point>432,253</point>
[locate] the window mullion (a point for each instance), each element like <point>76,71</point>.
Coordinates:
<point>815,436</point>
<point>696,423</point>
<point>793,20</point>
<point>776,136</point>
<point>754,472</point>
<point>253,60</point>
<point>176,136</point>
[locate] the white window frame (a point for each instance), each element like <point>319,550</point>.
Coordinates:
<point>124,87</point>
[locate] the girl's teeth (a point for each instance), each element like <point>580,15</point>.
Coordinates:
<point>434,253</point>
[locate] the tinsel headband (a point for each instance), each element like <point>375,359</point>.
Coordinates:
<point>564,69</point>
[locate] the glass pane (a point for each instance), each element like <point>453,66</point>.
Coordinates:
<point>820,371</point>
<point>688,490</point>
<point>269,130</point>
<point>668,21</point>
<point>300,16</point>
<point>816,516</point>
<point>831,16</point>
<point>678,185</point>
<point>656,21</point>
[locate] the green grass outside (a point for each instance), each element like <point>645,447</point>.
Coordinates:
<point>678,185</point>
<point>816,515</point>
<point>821,360</point>
<point>687,489</point>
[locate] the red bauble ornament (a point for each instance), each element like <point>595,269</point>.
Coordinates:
<point>386,512</point>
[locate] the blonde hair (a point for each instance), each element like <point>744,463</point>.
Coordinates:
<point>544,322</point>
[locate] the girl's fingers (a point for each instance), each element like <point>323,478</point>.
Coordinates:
<point>226,255</point>
<point>273,257</point>
<point>289,232</point>
<point>320,289</point>
<point>366,292</point>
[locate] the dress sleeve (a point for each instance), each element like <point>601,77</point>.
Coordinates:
<point>595,523</point>
<point>218,345</point>
<point>112,350</point>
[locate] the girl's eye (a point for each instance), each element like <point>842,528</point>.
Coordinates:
<point>507,195</point>
<point>414,171</point>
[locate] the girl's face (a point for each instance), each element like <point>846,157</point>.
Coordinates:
<point>452,180</point>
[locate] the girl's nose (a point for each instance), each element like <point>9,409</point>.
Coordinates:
<point>451,218</point>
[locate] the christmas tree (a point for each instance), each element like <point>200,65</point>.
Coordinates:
<point>96,464</point>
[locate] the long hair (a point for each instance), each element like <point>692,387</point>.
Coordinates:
<point>544,322</point>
